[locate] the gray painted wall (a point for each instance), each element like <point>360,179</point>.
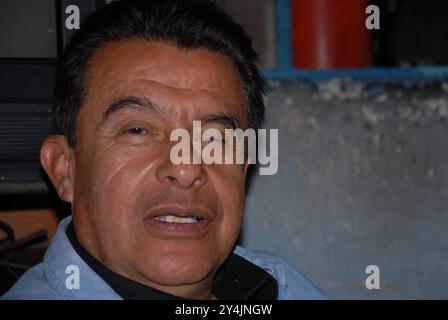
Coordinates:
<point>363,179</point>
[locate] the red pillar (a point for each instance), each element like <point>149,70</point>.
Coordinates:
<point>330,34</point>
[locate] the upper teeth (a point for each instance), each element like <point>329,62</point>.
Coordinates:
<point>174,219</point>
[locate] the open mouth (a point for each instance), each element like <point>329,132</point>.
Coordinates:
<point>175,221</point>
<point>180,220</point>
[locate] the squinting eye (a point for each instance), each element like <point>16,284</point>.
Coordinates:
<point>136,131</point>
<point>217,140</point>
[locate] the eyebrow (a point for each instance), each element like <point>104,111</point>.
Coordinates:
<point>129,102</point>
<point>145,104</point>
<point>224,119</point>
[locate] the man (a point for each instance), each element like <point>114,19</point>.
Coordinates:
<point>143,227</point>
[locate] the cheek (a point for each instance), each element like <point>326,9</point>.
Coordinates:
<point>108,180</point>
<point>229,187</point>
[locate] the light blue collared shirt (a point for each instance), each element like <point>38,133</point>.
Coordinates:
<point>47,280</point>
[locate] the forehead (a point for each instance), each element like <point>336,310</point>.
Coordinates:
<point>162,71</point>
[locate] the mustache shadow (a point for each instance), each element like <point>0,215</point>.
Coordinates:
<point>146,201</point>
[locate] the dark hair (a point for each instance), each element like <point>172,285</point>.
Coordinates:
<point>187,24</point>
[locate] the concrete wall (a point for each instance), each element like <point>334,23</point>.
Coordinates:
<point>363,179</point>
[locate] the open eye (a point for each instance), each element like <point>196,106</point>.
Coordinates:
<point>213,135</point>
<point>136,131</point>
<point>216,140</point>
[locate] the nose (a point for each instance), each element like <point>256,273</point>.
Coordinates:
<point>183,176</point>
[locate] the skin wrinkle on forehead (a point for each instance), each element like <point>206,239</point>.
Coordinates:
<point>178,87</point>
<point>157,74</point>
<point>186,89</point>
<point>150,69</point>
<point>157,70</point>
<point>172,85</point>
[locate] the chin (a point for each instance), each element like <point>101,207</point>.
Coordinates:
<point>178,270</point>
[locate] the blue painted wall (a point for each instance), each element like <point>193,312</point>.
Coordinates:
<point>363,179</point>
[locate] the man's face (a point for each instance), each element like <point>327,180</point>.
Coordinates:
<point>123,179</point>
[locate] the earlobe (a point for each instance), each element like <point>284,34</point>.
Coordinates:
<point>55,158</point>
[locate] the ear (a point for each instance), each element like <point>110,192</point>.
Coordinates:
<point>56,157</point>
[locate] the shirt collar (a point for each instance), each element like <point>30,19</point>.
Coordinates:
<point>62,264</point>
<point>237,279</point>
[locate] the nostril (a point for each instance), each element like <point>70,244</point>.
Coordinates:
<point>183,176</point>
<point>171,178</point>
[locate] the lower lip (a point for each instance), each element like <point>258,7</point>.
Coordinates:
<point>172,230</point>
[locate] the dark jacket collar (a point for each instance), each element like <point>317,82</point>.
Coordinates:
<point>237,279</point>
